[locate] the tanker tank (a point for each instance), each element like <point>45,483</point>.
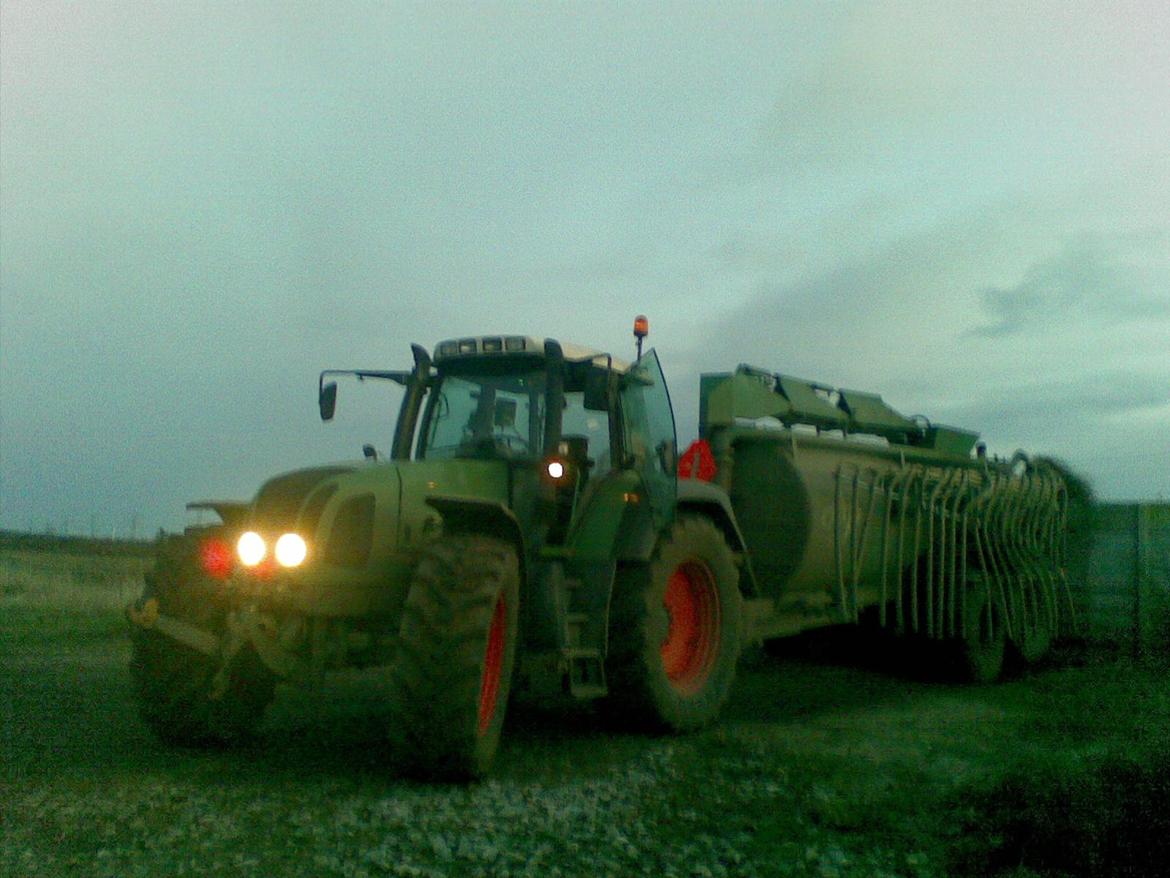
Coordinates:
<point>847,506</point>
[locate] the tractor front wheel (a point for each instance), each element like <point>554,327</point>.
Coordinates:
<point>452,674</point>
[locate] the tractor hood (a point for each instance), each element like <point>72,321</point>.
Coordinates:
<point>279,501</point>
<point>362,516</point>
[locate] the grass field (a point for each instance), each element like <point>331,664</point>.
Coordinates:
<point>821,768</point>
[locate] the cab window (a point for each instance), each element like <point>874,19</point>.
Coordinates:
<point>484,416</point>
<point>592,426</point>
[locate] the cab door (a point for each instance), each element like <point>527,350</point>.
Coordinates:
<point>649,434</point>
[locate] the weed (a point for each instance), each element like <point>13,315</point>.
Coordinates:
<point>56,597</point>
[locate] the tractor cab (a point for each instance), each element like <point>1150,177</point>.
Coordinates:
<point>555,401</point>
<point>576,416</point>
<point>562,417</point>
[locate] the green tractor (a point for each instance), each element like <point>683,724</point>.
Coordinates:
<point>527,534</point>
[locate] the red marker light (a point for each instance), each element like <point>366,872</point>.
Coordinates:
<point>697,462</point>
<point>215,556</point>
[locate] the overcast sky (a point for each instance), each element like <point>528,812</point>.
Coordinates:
<point>964,207</point>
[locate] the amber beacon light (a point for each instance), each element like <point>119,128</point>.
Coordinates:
<point>641,330</point>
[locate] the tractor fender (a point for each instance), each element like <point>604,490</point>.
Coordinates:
<point>712,502</point>
<point>479,516</point>
<point>637,534</point>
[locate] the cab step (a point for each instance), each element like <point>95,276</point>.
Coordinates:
<point>586,673</point>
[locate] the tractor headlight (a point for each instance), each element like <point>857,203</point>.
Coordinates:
<point>251,548</point>
<point>291,550</point>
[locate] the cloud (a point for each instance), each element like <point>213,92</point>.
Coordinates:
<point>872,195</point>
<point>1084,281</point>
<point>1062,403</point>
<point>1109,425</point>
<point>1038,319</point>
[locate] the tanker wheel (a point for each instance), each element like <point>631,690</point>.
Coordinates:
<point>674,637</point>
<point>172,682</point>
<point>984,640</point>
<point>1034,637</point>
<point>451,677</point>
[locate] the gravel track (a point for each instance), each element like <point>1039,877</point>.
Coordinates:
<point>792,782</point>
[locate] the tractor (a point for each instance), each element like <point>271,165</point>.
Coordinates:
<point>526,534</point>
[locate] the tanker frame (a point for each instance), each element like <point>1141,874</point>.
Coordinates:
<point>846,506</point>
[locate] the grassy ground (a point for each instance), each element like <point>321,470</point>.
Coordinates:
<point>66,597</point>
<point>822,768</point>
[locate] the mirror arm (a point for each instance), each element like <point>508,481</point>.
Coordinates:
<point>554,358</point>
<point>411,403</point>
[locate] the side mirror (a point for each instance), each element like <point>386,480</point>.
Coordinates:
<point>327,400</point>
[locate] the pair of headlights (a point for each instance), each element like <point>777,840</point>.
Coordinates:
<point>290,549</point>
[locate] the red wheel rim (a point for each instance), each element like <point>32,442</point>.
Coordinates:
<point>692,637</point>
<point>493,665</point>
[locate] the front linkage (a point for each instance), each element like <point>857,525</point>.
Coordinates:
<point>198,680</point>
<point>206,656</point>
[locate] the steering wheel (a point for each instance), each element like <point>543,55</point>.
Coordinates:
<point>513,446</point>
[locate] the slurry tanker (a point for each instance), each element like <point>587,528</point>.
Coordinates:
<point>535,532</point>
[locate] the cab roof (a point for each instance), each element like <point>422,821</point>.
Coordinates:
<point>512,345</point>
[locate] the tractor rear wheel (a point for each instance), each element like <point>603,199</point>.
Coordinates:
<point>452,674</point>
<point>173,682</point>
<point>675,631</point>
